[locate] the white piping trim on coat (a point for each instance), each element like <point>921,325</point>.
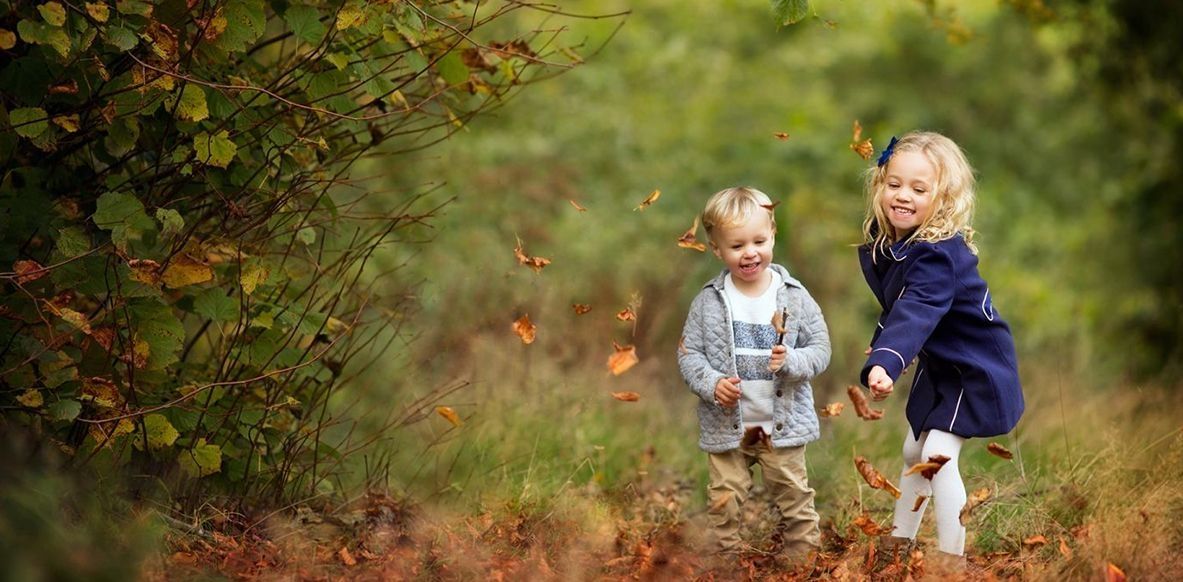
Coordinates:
<point>892,251</point>
<point>880,324</point>
<point>905,288</point>
<point>897,354</point>
<point>956,409</point>
<point>990,315</point>
<point>916,380</point>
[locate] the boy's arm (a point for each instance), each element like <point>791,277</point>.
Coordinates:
<point>696,370</point>
<point>813,355</point>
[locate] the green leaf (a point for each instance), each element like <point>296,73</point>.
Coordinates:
<point>157,324</point>
<point>790,11</point>
<point>123,215</point>
<point>338,60</point>
<point>72,241</point>
<point>215,150</point>
<point>305,23</point>
<point>245,22</point>
<point>192,106</point>
<point>121,38</point>
<point>452,69</point>
<point>53,13</point>
<point>216,305</point>
<point>34,32</point>
<point>170,221</point>
<point>29,122</point>
<point>203,459</point>
<point>160,433</point>
<point>136,7</point>
<point>122,136</point>
<point>306,235</point>
<point>64,409</point>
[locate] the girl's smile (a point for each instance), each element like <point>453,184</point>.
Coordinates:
<point>907,196</point>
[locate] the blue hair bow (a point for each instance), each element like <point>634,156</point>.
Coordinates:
<point>887,151</point>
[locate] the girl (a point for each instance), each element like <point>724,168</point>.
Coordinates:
<point>920,262</point>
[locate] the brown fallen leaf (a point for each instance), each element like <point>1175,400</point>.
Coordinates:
<point>525,329</point>
<point>832,409</point>
<point>622,359</point>
<point>449,414</point>
<point>346,557</point>
<point>1065,550</point>
<point>27,271</point>
<point>1113,573</point>
<point>1035,541</point>
<point>722,501</point>
<point>999,451</point>
<point>781,135</point>
<point>873,477</point>
<point>626,396</point>
<point>929,468</point>
<point>653,196</point>
<point>580,308</point>
<point>577,206</point>
<point>919,502</point>
<point>861,406</point>
<point>689,239</point>
<point>536,263</point>
<point>975,499</point>
<point>861,146</point>
<point>869,525</point>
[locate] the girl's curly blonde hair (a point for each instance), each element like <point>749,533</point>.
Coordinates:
<point>953,200</point>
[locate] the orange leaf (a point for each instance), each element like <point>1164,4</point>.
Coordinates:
<point>861,146</point>
<point>626,396</point>
<point>682,345</point>
<point>577,206</point>
<point>525,329</point>
<point>689,240</point>
<point>930,468</point>
<point>1113,573</point>
<point>999,451</point>
<point>1065,550</point>
<point>772,206</point>
<point>975,499</point>
<point>624,358</point>
<point>722,501</point>
<point>861,407</point>
<point>870,526</point>
<point>783,136</point>
<point>1037,540</point>
<point>28,271</point>
<point>653,196</point>
<point>449,414</point>
<point>873,477</point>
<point>346,557</point>
<point>626,315</point>
<point>580,308</point>
<point>919,501</point>
<point>832,409</point>
<point>536,263</point>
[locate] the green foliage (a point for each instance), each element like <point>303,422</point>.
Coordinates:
<point>790,11</point>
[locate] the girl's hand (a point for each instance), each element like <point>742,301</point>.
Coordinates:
<point>727,392</point>
<point>880,383</point>
<point>779,353</point>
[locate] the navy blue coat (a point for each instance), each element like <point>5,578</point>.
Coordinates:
<point>937,308</point>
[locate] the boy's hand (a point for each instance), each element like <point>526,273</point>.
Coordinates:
<point>880,383</point>
<point>779,353</point>
<point>727,392</point>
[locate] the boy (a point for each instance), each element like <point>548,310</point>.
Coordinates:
<point>752,380</point>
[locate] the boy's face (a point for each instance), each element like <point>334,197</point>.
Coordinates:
<point>746,248</point>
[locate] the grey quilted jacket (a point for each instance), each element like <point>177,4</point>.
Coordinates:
<point>707,353</point>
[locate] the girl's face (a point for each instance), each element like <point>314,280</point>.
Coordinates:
<point>746,249</point>
<point>908,192</point>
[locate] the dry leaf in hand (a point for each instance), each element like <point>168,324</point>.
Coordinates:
<point>873,477</point>
<point>689,239</point>
<point>722,501</point>
<point>1034,541</point>
<point>975,499</point>
<point>778,323</point>
<point>580,308</point>
<point>919,502</point>
<point>999,451</point>
<point>626,396</point>
<point>653,196</point>
<point>622,359</point>
<point>577,206</point>
<point>781,135</point>
<point>862,407</point>
<point>929,468</point>
<point>525,329</point>
<point>832,409</point>
<point>536,263</point>
<point>869,525</point>
<point>449,414</point>
<point>861,146</point>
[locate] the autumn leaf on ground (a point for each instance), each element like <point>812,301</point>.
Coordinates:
<point>626,396</point>
<point>928,468</point>
<point>919,502</point>
<point>28,271</point>
<point>577,206</point>
<point>449,414</point>
<point>861,406</point>
<point>722,501</point>
<point>999,451</point>
<point>1064,549</point>
<point>653,196</point>
<point>783,136</point>
<point>689,239</point>
<point>831,410</point>
<point>580,308</point>
<point>1035,541</point>
<point>346,557</point>
<point>536,263</point>
<point>183,271</point>
<point>1113,573</point>
<point>869,525</point>
<point>873,477</point>
<point>525,329</point>
<point>975,499</point>
<point>861,146</point>
<point>622,359</point>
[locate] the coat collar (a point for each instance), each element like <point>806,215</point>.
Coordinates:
<point>787,280</point>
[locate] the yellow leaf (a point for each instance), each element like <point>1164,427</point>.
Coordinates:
<point>74,318</point>
<point>346,557</point>
<point>31,398</point>
<point>781,135</point>
<point>975,499</point>
<point>622,359</point>
<point>251,277</point>
<point>577,206</point>
<point>98,11</point>
<point>67,122</point>
<point>861,146</point>
<point>7,39</point>
<point>647,202</point>
<point>449,414</point>
<point>183,271</point>
<point>349,17</point>
<point>689,239</point>
<point>832,409</point>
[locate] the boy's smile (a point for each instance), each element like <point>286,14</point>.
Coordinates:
<point>746,250</point>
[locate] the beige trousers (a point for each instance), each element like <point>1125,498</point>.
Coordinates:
<point>784,476</point>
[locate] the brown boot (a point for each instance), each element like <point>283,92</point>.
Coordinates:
<point>889,554</point>
<point>945,565</point>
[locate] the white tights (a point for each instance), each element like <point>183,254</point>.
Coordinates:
<point>946,490</point>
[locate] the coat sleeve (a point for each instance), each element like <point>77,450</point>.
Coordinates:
<point>811,356</point>
<point>929,284</point>
<point>696,370</point>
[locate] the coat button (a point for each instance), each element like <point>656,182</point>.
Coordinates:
<point>735,426</point>
<point>780,427</point>
<point>779,393</point>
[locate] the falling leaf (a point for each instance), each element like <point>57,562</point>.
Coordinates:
<point>682,345</point>
<point>525,329</point>
<point>653,196</point>
<point>1113,573</point>
<point>929,468</point>
<point>755,436</point>
<point>873,477</point>
<point>577,206</point>
<point>1033,541</point>
<point>536,263</point>
<point>975,499</point>
<point>861,407</point>
<point>999,451</point>
<point>183,271</point>
<point>689,239</point>
<point>622,359</point>
<point>722,501</point>
<point>449,414</point>
<point>832,409</point>
<point>1064,549</point>
<point>869,525</point>
<point>580,308</point>
<point>346,557</point>
<point>626,396</point>
<point>861,146</point>
<point>919,502</point>
<point>28,271</point>
<point>781,135</point>
<point>626,314</point>
<point>771,207</point>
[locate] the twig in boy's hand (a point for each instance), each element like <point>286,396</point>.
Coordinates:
<point>778,323</point>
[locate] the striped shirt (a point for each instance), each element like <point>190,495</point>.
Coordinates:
<point>751,320</point>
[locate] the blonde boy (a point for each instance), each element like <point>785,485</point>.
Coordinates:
<point>755,402</point>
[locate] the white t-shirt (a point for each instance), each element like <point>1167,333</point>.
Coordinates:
<point>751,322</point>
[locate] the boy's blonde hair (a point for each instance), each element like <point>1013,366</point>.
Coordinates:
<point>953,194</point>
<point>734,206</point>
